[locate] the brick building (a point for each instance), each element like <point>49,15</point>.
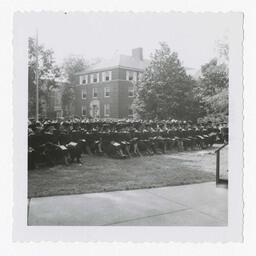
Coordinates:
<point>106,90</point>
<point>55,108</point>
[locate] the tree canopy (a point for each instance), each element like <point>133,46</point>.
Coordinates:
<point>72,65</point>
<point>213,89</point>
<point>166,91</point>
<point>48,72</point>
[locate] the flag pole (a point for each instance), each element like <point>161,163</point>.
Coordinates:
<point>37,89</point>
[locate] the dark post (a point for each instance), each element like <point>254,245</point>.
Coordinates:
<point>37,90</point>
<point>217,166</point>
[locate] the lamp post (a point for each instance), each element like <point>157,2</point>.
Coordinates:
<point>37,89</point>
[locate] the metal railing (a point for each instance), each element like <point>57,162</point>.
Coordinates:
<point>218,179</point>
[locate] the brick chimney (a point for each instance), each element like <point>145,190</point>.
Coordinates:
<point>137,53</point>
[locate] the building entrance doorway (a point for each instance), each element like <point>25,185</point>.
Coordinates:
<point>95,109</point>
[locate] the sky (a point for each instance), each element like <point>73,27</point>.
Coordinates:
<point>102,35</point>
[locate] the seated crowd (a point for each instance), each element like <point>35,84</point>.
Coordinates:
<point>53,142</point>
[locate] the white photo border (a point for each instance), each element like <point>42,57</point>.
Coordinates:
<point>234,230</point>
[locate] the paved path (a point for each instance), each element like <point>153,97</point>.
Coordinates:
<point>190,205</point>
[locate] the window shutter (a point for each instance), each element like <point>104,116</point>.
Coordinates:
<point>84,94</point>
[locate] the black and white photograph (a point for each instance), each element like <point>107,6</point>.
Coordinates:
<point>128,119</point>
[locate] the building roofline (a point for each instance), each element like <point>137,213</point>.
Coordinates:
<point>107,69</point>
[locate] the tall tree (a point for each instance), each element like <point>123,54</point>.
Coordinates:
<point>222,51</point>
<point>213,88</point>
<point>48,72</point>
<point>67,100</point>
<point>72,65</point>
<point>166,91</point>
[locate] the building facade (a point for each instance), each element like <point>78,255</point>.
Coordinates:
<point>106,90</point>
<point>55,106</point>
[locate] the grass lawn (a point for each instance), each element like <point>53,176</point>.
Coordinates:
<point>98,174</point>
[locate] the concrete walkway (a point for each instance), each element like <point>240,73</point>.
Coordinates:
<point>189,205</point>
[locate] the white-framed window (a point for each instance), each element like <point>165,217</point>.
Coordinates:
<point>106,76</point>
<point>131,75</point>
<point>95,78</point>
<point>130,112</point>
<point>106,92</point>
<point>58,114</point>
<point>83,111</point>
<point>140,76</point>
<point>57,98</point>
<point>84,94</point>
<point>84,79</point>
<point>106,110</point>
<point>131,91</point>
<point>94,92</point>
